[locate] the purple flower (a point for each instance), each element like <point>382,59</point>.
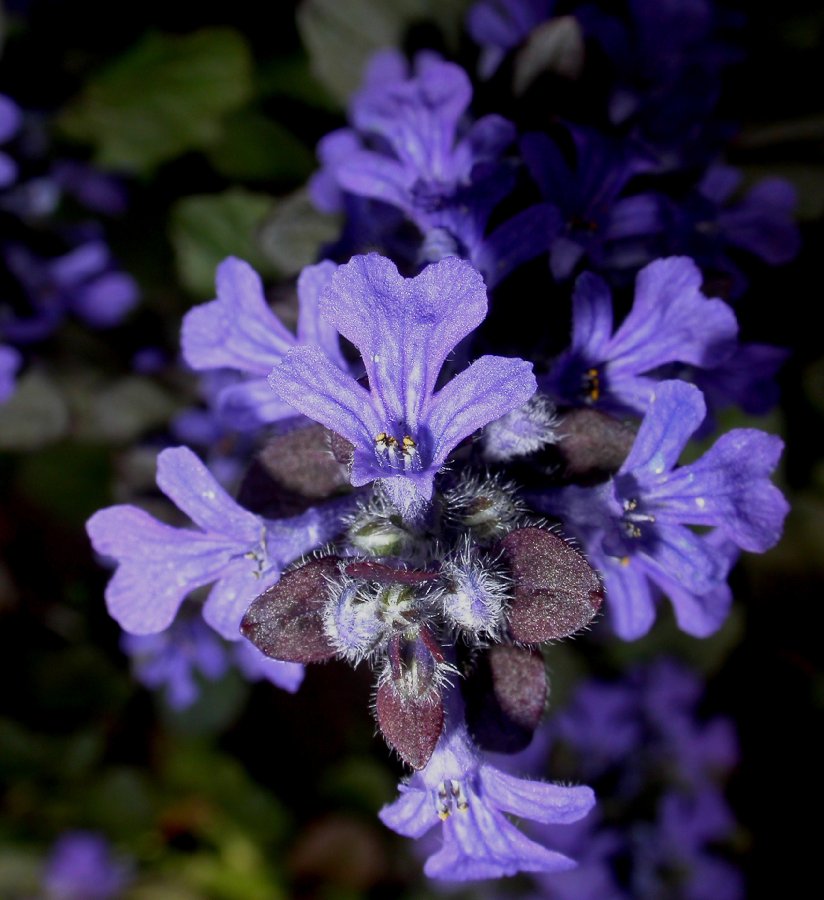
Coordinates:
<point>402,431</point>
<point>710,222</point>
<point>83,281</point>
<point>470,799</point>
<point>667,760</point>
<point>410,150</point>
<point>238,331</point>
<point>418,120</point>
<point>670,321</point>
<point>586,197</point>
<point>10,362</point>
<point>9,125</point>
<point>746,378</point>
<point>170,659</point>
<point>96,190</point>
<point>81,866</point>
<point>256,666</point>
<point>634,526</point>
<point>159,565</point>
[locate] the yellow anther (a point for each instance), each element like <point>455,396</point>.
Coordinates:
<point>385,441</point>
<point>594,384</point>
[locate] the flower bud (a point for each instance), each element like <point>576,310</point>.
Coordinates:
<point>488,507</point>
<point>522,431</point>
<point>352,620</point>
<point>472,592</point>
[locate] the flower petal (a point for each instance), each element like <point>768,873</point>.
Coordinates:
<point>491,387</point>
<point>412,814</point>
<point>729,487</point>
<point>672,321</point>
<point>404,328</point>
<point>591,317</point>
<point>158,565</point>
<point>232,595</point>
<point>238,330</point>
<point>675,412</point>
<point>251,404</point>
<point>315,386</point>
<point>312,329</point>
<point>481,843</point>
<point>539,801</point>
<point>185,480</point>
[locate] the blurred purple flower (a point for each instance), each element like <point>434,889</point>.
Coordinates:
<point>10,362</point>
<point>84,282</point>
<point>256,666</point>
<point>170,659</point>
<point>81,866</point>
<point>9,125</point>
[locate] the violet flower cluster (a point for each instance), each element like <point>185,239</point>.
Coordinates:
<point>55,268</point>
<point>422,463</point>
<point>663,756</point>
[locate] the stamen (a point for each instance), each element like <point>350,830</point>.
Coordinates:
<point>450,795</point>
<point>633,518</point>
<point>592,385</point>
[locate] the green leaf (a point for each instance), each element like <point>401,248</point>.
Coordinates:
<point>340,37</point>
<point>68,480</point>
<point>205,229</point>
<point>165,96</point>
<point>217,706</point>
<point>291,77</point>
<point>120,411</point>
<point>255,147</point>
<point>35,415</point>
<point>294,232</point>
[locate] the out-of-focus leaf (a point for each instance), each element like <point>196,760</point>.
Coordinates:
<point>359,783</point>
<point>119,412</point>
<point>120,802</point>
<point>35,415</point>
<point>341,850</point>
<point>253,146</point>
<point>238,873</point>
<point>163,97</point>
<point>801,550</point>
<point>291,77</point>
<point>26,754</point>
<point>217,706</point>
<point>806,178</point>
<point>814,384</point>
<point>20,873</point>
<point>294,231</point>
<point>806,128</point>
<point>705,654</point>
<point>340,37</point>
<point>205,229</point>
<point>193,767</point>
<point>68,480</point>
<point>803,31</point>
<point>555,46</point>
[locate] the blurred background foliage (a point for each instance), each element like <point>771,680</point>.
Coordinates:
<point>212,119</point>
